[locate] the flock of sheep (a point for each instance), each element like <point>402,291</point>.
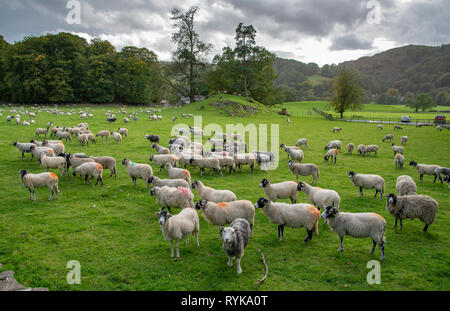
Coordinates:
<point>222,207</point>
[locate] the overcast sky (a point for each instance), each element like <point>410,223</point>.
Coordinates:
<point>320,31</point>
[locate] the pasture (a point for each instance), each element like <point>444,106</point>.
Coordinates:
<point>114,233</point>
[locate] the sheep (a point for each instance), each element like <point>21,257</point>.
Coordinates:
<point>380,127</point>
<point>202,163</point>
<point>296,155</point>
<point>226,161</point>
<point>239,146</point>
<point>24,148</point>
<point>412,206</point>
<point>196,131</point>
<point>350,147</point>
<point>302,142</point>
<point>54,162</point>
<point>83,139</point>
<point>236,136</point>
<point>162,159</point>
<point>221,136</point>
<point>74,161</point>
<point>117,137</point>
<point>441,170</point>
<point>291,215</point>
<point>334,144</point>
<point>439,128</point>
<point>91,137</point>
<point>178,173</point>
<point>40,131</point>
<point>367,181</point>
<point>397,149</point>
<point>138,170</point>
<point>211,194</point>
<point>235,239</point>
<point>396,127</point>
<point>244,159</point>
<point>372,148</point>
<point>319,197</point>
<point>57,147</point>
<point>270,154</point>
<point>399,160</point>
<point>123,131</point>
<point>447,180</point>
<point>74,130</point>
<point>405,185</point>
<point>425,169</point>
<point>108,163</point>
<point>179,226</point>
<point>171,197</point>
<point>38,151</point>
<point>304,169</point>
<point>357,225</point>
<point>331,153</point>
<point>283,190</point>
<point>32,181</point>
<point>336,129</point>
<point>388,137</point>
<point>103,133</point>
<point>403,139</point>
<point>361,149</point>
<point>65,135</point>
<point>225,212</point>
<point>111,119</point>
<point>93,169</point>
<point>174,183</point>
<point>160,149</point>
<point>126,120</point>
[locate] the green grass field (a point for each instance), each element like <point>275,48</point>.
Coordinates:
<point>113,231</point>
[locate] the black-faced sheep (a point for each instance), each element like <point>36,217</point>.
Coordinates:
<point>425,169</point>
<point>282,190</point>
<point>32,181</point>
<point>211,194</point>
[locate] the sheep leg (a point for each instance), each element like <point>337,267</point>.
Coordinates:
<point>31,194</point>
<point>178,252</point>
<point>34,195</point>
<point>381,246</point>
<point>187,239</point>
<point>309,236</point>
<point>230,262</point>
<point>421,177</point>
<point>401,224</point>
<point>238,264</point>
<point>395,223</point>
<point>23,155</point>
<point>171,248</point>
<point>440,178</point>
<point>341,247</point>
<point>51,195</point>
<point>282,232</point>
<point>279,231</point>
<point>425,228</point>
<point>376,192</point>
<point>435,177</point>
<point>196,239</point>
<point>85,178</point>
<point>374,244</point>
<point>360,192</point>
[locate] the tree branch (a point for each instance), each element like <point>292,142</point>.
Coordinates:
<point>267,268</point>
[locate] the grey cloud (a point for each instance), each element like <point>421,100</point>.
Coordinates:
<point>350,42</point>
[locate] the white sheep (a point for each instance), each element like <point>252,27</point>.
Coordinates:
<point>93,169</point>
<point>24,147</point>
<point>138,170</point>
<point>350,147</point>
<point>38,151</point>
<point>331,153</point>
<point>399,160</point>
<point>291,215</point>
<point>32,181</point>
<point>357,225</point>
<point>160,149</point>
<point>405,185</point>
<point>294,154</point>
<point>170,197</point>
<point>117,136</point>
<point>235,239</point>
<point>388,137</point>
<point>361,149</point>
<point>202,163</point>
<point>123,131</point>
<point>304,169</point>
<point>174,183</point>
<point>54,162</point>
<point>178,173</point>
<point>403,139</point>
<point>103,133</point>
<point>108,163</point>
<point>211,194</point>
<point>425,169</point>
<point>397,149</point>
<point>302,142</point>
<point>445,171</point>
<point>319,197</point>
<point>367,181</point>
<point>334,144</point>
<point>371,148</point>
<point>283,190</point>
<point>162,159</point>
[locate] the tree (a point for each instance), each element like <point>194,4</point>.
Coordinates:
<point>348,94</point>
<point>442,99</point>
<point>245,45</point>
<point>425,101</point>
<point>189,57</point>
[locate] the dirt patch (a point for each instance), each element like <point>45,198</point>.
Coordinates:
<point>234,109</point>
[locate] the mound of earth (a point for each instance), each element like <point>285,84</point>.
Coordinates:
<point>233,108</point>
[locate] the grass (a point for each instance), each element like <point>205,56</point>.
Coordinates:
<point>113,232</point>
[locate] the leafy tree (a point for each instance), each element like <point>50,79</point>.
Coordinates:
<point>348,94</point>
<point>425,101</point>
<point>442,99</point>
<point>245,46</point>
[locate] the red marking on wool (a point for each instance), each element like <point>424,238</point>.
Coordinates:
<point>99,166</point>
<point>336,151</point>
<point>187,173</point>
<point>53,175</point>
<point>222,204</point>
<point>184,190</point>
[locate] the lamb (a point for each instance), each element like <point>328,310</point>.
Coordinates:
<point>331,153</point>
<point>405,185</point>
<point>441,170</point>
<point>174,183</point>
<point>40,131</point>
<point>202,163</point>
<point>162,159</point>
<point>117,137</point>
<point>32,181</point>
<point>399,160</point>
<point>235,239</point>
<point>244,159</point>
<point>24,148</point>
<point>425,169</point>
<point>361,149</point>
<point>123,131</point>
<point>178,173</point>
<point>179,226</point>
<point>170,197</point>
<point>93,169</point>
<point>403,139</point>
<point>225,212</point>
<point>283,190</point>
<point>108,163</point>
<point>336,129</point>
<point>334,144</point>
<point>357,225</point>
<point>291,215</point>
<point>397,149</point>
<point>367,181</point>
<point>302,142</point>
<point>294,154</point>
<point>83,139</point>
<point>350,148</point>
<point>103,133</point>
<point>372,148</point>
<point>389,137</point>
<point>54,162</point>
<point>211,194</point>
<point>412,206</point>
<point>319,197</point>
<point>160,149</point>
<point>65,135</point>
<point>304,169</point>
<point>138,170</point>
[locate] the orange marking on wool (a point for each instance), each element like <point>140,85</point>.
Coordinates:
<point>50,151</point>
<point>379,216</point>
<point>99,166</point>
<point>313,209</point>
<point>222,204</point>
<point>187,174</point>
<point>54,176</point>
<point>336,151</point>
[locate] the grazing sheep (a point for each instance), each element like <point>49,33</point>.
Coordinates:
<point>405,185</point>
<point>361,149</point>
<point>178,173</point>
<point>57,147</point>
<point>235,239</point>
<point>388,137</point>
<point>126,120</point>
<point>196,131</point>
<point>283,190</point>
<point>397,149</point>
<point>304,169</point>
<point>138,170</point>
<point>83,139</point>
<point>425,169</point>
<point>162,159</point>
<point>179,226</point>
<point>74,130</point>
<point>319,197</point>
<point>111,119</point>
<point>41,131</point>
<point>117,137</point>
<point>74,161</point>
<point>334,144</point>
<point>372,148</point>
<point>225,212</point>
<point>403,139</point>
<point>291,215</point>
<point>294,154</point>
<point>108,163</point>
<point>302,142</point>
<point>211,194</point>
<point>225,161</point>
<point>336,129</point>
<point>54,162</point>
<point>170,197</point>
<point>441,170</point>
<point>380,126</point>
<point>91,137</point>
<point>331,153</point>
<point>32,181</point>
<point>65,135</point>
<point>93,169</point>
<point>399,160</point>
<point>396,127</point>
<point>38,151</point>
<point>350,148</point>
<point>160,149</point>
<point>202,163</point>
<point>367,181</point>
<point>447,180</point>
<point>24,148</point>
<point>263,161</point>
<point>439,128</point>
<point>174,183</point>
<point>123,131</point>
<point>412,206</point>
<point>357,225</point>
<point>103,133</point>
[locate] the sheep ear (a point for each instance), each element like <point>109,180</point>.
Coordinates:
<point>157,213</point>
<point>169,215</point>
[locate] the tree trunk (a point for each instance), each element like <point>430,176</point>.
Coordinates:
<point>342,114</point>
<point>245,86</point>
